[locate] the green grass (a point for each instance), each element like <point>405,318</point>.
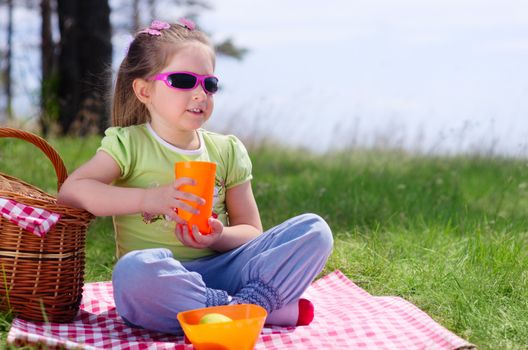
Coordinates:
<point>446,233</point>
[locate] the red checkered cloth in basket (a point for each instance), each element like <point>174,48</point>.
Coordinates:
<point>35,220</point>
<point>346,317</point>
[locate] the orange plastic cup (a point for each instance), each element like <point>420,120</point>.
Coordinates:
<point>241,334</point>
<point>203,173</point>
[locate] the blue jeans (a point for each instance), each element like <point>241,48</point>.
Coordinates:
<point>272,270</point>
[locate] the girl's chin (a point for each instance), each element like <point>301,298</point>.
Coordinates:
<point>191,126</point>
<point>196,121</point>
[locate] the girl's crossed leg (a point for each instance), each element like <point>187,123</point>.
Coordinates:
<point>273,270</point>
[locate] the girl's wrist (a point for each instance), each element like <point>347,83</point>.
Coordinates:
<point>143,206</point>
<point>148,217</point>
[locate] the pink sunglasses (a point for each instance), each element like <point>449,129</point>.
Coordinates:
<point>188,81</point>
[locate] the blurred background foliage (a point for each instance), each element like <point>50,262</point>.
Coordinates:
<point>76,53</point>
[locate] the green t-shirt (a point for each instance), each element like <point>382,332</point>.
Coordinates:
<point>146,160</point>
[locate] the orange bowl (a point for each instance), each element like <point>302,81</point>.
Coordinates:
<point>241,334</point>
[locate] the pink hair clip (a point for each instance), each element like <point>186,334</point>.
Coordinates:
<point>187,23</point>
<point>155,28</point>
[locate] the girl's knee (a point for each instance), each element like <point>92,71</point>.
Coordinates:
<point>141,268</point>
<point>138,262</point>
<point>319,235</point>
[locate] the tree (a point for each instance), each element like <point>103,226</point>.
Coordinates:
<point>84,62</point>
<point>83,75</point>
<point>228,48</point>
<point>8,88</point>
<point>47,104</point>
<point>48,96</point>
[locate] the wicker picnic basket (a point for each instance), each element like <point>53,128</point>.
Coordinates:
<point>41,279</point>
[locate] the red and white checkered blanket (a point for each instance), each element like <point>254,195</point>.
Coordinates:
<point>35,220</point>
<point>346,317</point>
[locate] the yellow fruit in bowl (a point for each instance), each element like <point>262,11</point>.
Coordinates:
<point>214,318</point>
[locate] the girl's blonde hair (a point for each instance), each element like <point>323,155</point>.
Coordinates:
<point>146,56</point>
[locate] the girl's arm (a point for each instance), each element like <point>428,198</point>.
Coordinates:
<point>89,188</point>
<point>244,218</point>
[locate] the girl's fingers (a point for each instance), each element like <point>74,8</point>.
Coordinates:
<point>183,181</point>
<point>173,216</point>
<point>179,232</point>
<point>183,235</point>
<point>189,238</point>
<point>190,234</point>
<point>216,226</point>
<point>193,238</point>
<point>189,197</point>
<point>197,236</point>
<point>206,239</point>
<point>179,220</point>
<point>186,207</point>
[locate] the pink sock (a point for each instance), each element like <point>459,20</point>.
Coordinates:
<point>306,312</point>
<point>298,313</point>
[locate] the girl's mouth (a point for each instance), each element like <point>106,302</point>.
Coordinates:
<point>195,110</point>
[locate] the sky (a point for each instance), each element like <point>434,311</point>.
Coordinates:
<point>437,76</point>
<point>442,76</point>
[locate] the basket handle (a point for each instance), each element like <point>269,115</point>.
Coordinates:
<point>44,146</point>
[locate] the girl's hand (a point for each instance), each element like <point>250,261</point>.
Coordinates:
<point>165,200</point>
<point>197,240</point>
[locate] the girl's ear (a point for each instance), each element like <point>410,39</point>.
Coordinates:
<point>142,89</point>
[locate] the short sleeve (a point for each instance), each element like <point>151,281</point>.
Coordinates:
<point>116,143</point>
<point>239,164</point>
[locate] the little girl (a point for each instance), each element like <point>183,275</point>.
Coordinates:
<point>163,95</point>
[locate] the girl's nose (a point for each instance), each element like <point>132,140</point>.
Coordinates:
<point>199,93</point>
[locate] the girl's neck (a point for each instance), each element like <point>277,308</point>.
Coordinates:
<point>183,139</point>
